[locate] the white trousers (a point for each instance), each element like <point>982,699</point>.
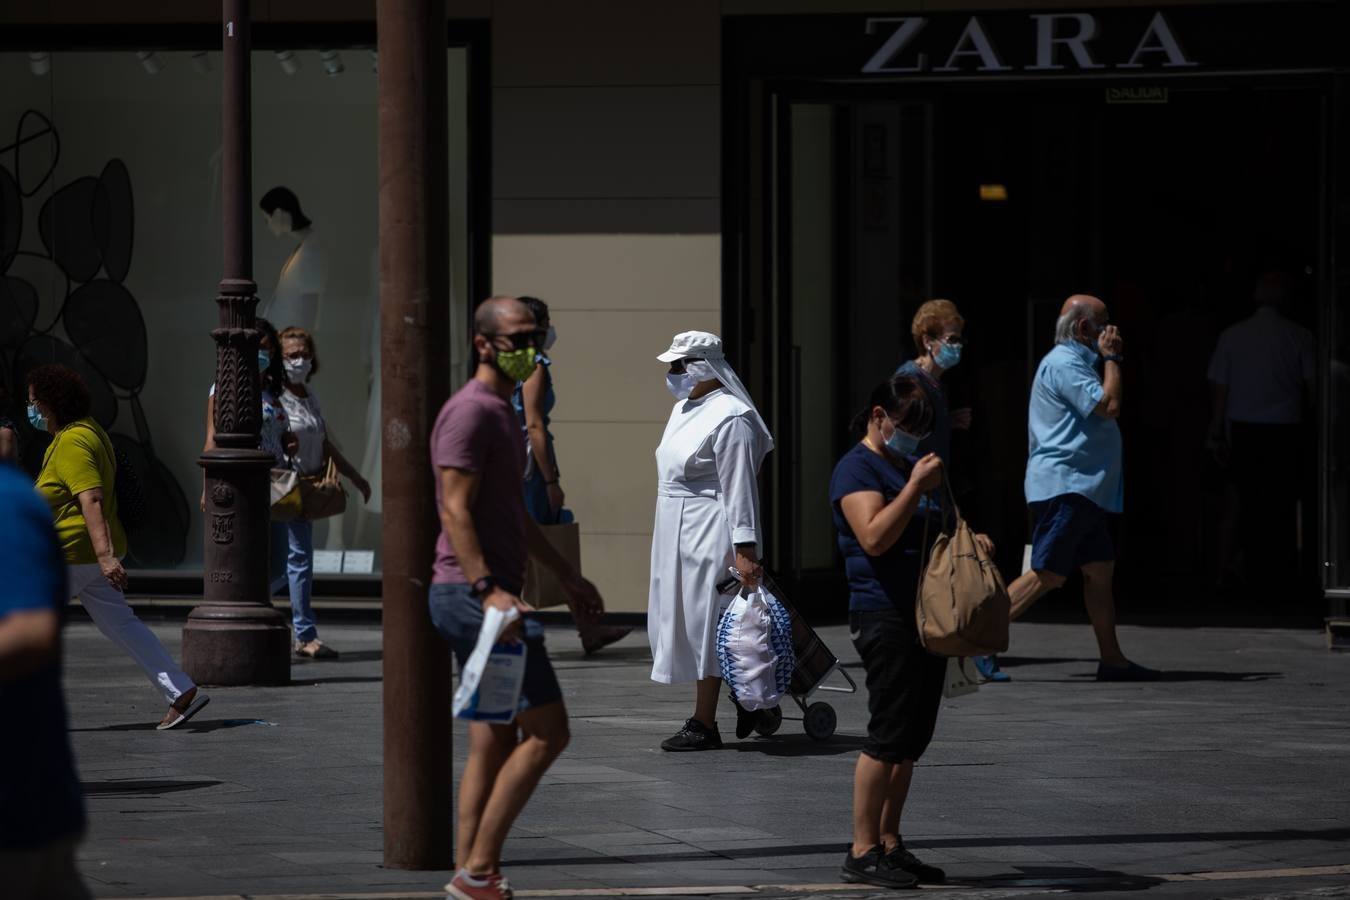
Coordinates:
<point>107,606</point>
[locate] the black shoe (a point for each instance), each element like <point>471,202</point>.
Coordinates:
<point>872,869</point>
<point>904,861</point>
<point>746,720</point>
<point>694,736</point>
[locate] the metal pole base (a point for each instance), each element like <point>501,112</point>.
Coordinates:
<point>236,644</point>
<point>236,636</point>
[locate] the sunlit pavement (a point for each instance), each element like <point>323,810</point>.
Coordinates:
<point>1226,780</point>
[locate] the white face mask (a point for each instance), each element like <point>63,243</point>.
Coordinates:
<point>552,337</point>
<point>681,386</point>
<point>297,370</point>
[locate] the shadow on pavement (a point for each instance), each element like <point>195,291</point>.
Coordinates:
<point>337,679</point>
<point>1187,675</point>
<point>1012,662</point>
<point>143,788</point>
<point>1073,880</point>
<point>1162,837</point>
<point>196,726</point>
<point>795,745</point>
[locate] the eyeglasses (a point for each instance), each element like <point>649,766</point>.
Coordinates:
<point>954,339</point>
<point>522,340</point>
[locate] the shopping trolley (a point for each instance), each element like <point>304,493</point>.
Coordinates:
<point>815,666</point>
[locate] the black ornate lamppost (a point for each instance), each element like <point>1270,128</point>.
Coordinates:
<point>235,636</point>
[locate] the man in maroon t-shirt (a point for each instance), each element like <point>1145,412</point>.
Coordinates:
<point>486,538</point>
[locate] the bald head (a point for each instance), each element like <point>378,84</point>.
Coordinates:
<point>498,315</point>
<point>1080,318</point>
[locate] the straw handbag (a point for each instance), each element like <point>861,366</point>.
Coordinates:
<point>308,497</point>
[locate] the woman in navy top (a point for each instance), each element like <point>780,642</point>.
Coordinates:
<point>874,494</point>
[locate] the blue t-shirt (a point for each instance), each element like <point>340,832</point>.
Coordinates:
<point>39,790</point>
<point>891,579</point>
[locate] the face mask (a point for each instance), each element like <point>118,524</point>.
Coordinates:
<point>515,364</point>
<point>264,360</point>
<point>297,370</point>
<point>681,386</point>
<point>902,444</point>
<point>36,419</point>
<point>947,355</point>
<point>552,337</point>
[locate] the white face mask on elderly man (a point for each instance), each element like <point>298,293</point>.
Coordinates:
<point>695,372</point>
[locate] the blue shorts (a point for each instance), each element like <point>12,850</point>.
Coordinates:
<point>458,616</point>
<point>1070,532</point>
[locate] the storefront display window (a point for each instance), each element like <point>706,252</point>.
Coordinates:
<point>110,236</point>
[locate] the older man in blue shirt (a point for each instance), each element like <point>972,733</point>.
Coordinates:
<point>1074,476</point>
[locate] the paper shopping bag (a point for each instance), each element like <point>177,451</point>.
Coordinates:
<point>542,588</point>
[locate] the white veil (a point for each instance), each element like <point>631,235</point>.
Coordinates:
<point>724,373</point>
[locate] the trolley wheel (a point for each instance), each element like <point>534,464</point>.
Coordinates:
<point>820,721</point>
<point>770,720</point>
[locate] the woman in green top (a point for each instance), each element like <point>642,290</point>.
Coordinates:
<point>77,481</point>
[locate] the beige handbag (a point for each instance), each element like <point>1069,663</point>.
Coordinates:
<point>962,607</point>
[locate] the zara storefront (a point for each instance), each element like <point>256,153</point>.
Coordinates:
<point>799,174</point>
<point>1159,156</point>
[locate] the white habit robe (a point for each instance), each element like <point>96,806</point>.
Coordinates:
<point>707,501</point>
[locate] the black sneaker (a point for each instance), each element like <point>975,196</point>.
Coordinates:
<point>746,720</point>
<point>872,869</point>
<point>694,736</point>
<point>902,860</point>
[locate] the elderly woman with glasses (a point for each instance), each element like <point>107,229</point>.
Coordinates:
<point>707,519</point>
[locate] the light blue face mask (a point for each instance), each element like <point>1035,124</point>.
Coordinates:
<point>36,419</point>
<point>902,444</point>
<point>947,355</point>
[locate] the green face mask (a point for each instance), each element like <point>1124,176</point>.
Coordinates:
<point>515,364</point>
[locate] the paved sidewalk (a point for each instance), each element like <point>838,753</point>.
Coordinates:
<point>1235,769</point>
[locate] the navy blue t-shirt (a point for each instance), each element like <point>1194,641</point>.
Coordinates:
<point>891,579</point>
<point>39,790</point>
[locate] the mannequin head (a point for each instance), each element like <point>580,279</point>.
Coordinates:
<point>282,209</point>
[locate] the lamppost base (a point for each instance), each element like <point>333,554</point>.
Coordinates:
<point>237,644</point>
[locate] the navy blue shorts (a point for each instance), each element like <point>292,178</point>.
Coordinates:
<point>1070,532</point>
<point>458,616</point>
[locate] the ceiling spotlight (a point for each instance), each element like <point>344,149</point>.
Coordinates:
<point>149,62</point>
<point>332,62</point>
<point>39,63</point>
<point>289,62</point>
<point>201,62</point>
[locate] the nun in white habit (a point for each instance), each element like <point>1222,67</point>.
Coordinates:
<point>707,519</point>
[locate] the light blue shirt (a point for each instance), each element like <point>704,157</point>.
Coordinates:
<point>1072,450</point>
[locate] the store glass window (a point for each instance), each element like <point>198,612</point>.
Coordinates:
<point>110,255</point>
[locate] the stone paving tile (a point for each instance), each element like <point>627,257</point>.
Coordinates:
<point>1048,776</point>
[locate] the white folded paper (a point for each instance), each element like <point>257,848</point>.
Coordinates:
<point>491,679</point>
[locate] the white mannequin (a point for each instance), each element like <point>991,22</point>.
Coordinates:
<point>300,285</point>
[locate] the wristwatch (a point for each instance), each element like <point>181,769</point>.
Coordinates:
<point>482,586</point>
<point>1114,359</point>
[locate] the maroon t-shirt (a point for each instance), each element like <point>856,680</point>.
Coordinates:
<point>477,431</point>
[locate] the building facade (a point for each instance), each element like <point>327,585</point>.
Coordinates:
<point>796,174</point>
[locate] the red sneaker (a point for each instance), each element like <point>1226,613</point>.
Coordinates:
<point>487,887</point>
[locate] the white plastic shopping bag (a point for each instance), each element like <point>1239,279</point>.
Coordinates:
<point>491,679</point>
<point>754,649</point>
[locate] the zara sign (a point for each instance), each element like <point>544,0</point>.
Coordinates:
<point>1051,42</point>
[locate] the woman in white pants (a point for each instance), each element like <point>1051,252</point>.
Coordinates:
<point>77,481</point>
<point>707,519</point>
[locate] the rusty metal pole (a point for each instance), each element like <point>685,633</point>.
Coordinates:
<point>235,636</point>
<point>414,366</point>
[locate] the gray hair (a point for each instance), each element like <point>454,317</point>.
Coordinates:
<point>1066,325</point>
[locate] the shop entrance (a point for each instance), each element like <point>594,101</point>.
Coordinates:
<point>1167,202</point>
